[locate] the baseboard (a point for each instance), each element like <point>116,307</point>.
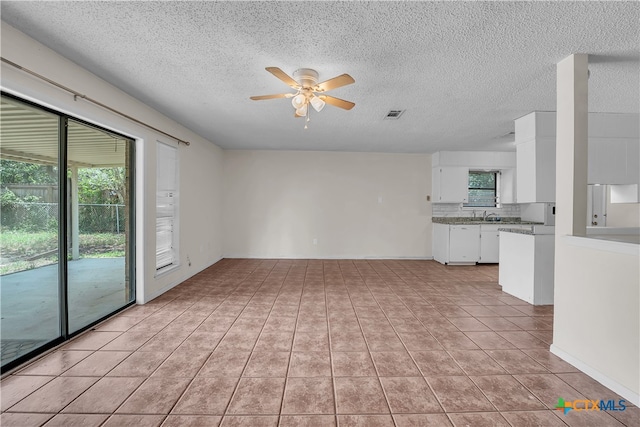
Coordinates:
<point>149,297</point>
<point>358,257</point>
<point>603,379</point>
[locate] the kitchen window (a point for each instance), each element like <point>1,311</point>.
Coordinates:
<point>483,189</point>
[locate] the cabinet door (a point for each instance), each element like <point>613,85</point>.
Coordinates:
<point>607,161</point>
<point>526,172</point>
<point>453,184</point>
<point>441,243</point>
<point>464,243</point>
<point>489,244</point>
<point>508,186</point>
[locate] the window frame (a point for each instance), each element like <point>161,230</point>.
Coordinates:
<point>495,189</point>
<point>174,194</point>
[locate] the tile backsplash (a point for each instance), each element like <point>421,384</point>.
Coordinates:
<point>456,209</point>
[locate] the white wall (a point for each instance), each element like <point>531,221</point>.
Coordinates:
<point>357,205</point>
<point>597,314</point>
<point>200,164</point>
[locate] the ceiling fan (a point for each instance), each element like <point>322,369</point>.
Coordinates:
<point>309,91</point>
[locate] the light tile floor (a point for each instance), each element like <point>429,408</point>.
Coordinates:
<point>314,343</point>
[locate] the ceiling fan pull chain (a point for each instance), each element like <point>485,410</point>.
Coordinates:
<point>307,119</point>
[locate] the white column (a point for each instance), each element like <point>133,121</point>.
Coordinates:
<point>571,146</point>
<point>75,217</point>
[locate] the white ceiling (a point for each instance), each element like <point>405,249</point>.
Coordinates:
<point>462,70</point>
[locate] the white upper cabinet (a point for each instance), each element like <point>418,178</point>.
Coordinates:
<point>536,172</point>
<point>507,184</point>
<point>536,158</point>
<point>613,161</point>
<point>614,153</point>
<point>450,184</point>
<point>450,174</point>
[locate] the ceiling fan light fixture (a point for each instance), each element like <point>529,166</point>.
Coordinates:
<point>302,111</point>
<point>317,103</point>
<point>309,91</point>
<point>298,101</point>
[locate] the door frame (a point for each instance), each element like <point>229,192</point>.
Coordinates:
<point>63,228</point>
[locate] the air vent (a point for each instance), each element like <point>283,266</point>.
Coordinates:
<point>393,114</point>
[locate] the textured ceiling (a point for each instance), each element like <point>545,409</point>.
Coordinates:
<point>462,70</point>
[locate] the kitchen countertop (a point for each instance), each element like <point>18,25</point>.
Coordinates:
<point>625,238</point>
<point>535,230</point>
<point>616,234</point>
<point>472,221</point>
<point>517,230</point>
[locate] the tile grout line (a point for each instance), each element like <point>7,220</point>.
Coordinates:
<point>235,390</point>
<point>326,309</point>
<point>293,339</point>
<point>375,366</point>
<point>406,349</point>
<point>215,347</point>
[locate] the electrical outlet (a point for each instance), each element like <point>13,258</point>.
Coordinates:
<point>315,241</point>
<point>428,198</point>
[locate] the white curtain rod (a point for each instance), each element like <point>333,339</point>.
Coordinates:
<point>77,95</point>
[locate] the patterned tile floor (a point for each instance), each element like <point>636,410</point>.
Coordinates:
<point>314,343</point>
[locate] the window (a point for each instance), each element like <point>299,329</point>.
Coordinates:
<point>483,187</point>
<point>166,207</point>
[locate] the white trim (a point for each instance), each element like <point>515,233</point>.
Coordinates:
<point>166,269</point>
<point>624,248</point>
<point>347,257</point>
<point>140,210</point>
<point>611,384</point>
<point>172,192</point>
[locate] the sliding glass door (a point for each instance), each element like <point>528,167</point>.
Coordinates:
<point>99,227</point>
<point>67,225</point>
<point>29,233</point>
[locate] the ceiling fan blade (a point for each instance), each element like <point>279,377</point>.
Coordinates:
<point>283,76</point>
<point>336,82</point>
<point>337,102</point>
<point>279,95</point>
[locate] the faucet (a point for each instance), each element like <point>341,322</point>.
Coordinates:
<point>486,218</point>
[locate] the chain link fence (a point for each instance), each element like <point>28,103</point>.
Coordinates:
<point>36,217</point>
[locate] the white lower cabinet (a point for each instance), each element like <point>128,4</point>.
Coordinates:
<point>468,243</point>
<point>526,266</point>
<point>441,243</point>
<point>456,244</point>
<point>464,243</point>
<point>489,243</point>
